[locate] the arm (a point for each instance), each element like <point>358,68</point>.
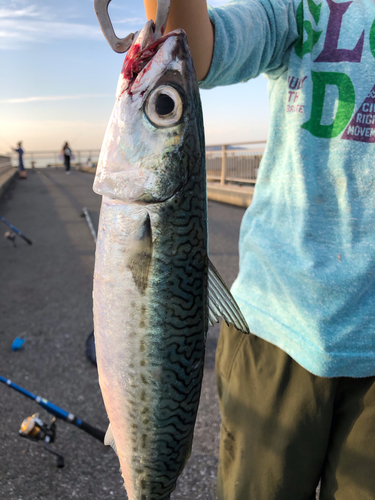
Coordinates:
<point>251,37</point>
<point>192,17</point>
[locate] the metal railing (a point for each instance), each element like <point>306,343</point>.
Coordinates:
<point>5,164</point>
<point>234,165</point>
<point>53,158</point>
<point>239,166</point>
<point>226,163</point>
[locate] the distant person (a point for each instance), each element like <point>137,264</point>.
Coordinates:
<point>21,166</point>
<point>67,152</point>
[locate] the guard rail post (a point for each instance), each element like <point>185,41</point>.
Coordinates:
<point>223,164</point>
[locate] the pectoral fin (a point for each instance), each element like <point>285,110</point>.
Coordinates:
<point>109,440</point>
<point>221,302</point>
<point>139,260</point>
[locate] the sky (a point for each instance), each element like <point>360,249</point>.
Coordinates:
<point>59,75</point>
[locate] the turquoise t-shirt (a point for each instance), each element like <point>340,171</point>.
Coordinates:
<point>307,242</point>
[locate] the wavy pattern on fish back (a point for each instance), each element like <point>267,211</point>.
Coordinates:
<point>177,322</point>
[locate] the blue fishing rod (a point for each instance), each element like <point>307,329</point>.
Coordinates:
<point>17,231</point>
<point>56,411</point>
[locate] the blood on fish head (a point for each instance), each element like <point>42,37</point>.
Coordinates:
<point>134,59</point>
<point>157,93</point>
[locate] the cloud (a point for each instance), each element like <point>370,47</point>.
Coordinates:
<point>20,23</point>
<point>131,21</point>
<point>47,98</point>
<point>29,30</point>
<point>30,11</point>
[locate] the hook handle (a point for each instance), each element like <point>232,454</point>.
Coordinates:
<point>161,17</point>
<point>119,45</point>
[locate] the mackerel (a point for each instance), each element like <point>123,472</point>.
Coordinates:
<point>155,290</point>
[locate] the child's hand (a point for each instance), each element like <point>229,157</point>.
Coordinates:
<point>192,17</point>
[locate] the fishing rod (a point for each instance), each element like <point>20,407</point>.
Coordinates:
<point>5,142</point>
<point>56,411</point>
<point>17,231</point>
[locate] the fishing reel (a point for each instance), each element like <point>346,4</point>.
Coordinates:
<point>35,429</point>
<point>9,235</point>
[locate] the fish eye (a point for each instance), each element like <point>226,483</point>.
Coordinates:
<point>164,106</point>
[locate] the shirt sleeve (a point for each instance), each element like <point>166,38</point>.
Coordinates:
<point>251,37</point>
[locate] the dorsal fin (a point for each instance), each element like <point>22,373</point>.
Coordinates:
<point>221,302</point>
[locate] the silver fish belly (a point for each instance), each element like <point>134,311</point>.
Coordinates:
<point>155,291</point>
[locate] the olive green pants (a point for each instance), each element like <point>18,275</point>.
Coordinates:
<point>284,429</point>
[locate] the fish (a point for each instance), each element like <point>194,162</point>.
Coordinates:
<point>155,290</point>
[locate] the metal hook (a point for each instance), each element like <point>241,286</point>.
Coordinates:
<point>121,45</point>
<point>161,17</point>
<point>118,44</point>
